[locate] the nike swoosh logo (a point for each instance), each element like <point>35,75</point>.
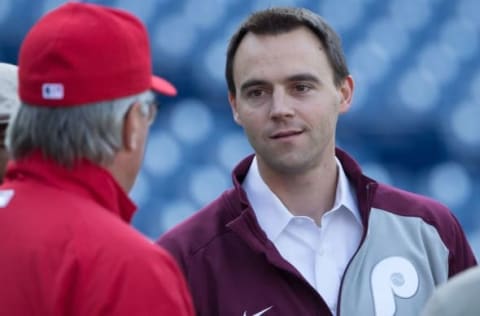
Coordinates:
<point>259,313</point>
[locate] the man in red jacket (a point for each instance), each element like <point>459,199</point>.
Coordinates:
<point>77,144</point>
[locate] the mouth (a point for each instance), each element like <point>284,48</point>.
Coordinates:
<point>285,134</point>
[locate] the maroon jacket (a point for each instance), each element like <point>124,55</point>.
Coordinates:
<point>410,245</point>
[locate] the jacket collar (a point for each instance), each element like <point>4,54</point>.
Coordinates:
<point>85,179</point>
<point>364,187</point>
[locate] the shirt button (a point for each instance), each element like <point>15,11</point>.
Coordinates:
<point>321,252</point>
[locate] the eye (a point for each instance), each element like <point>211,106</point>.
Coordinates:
<point>302,87</point>
<point>255,93</point>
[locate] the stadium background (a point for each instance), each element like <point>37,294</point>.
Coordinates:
<point>415,120</point>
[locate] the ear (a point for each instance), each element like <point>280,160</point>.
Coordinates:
<point>233,105</point>
<point>346,94</point>
<point>131,129</point>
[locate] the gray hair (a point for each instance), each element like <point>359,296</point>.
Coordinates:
<point>90,131</point>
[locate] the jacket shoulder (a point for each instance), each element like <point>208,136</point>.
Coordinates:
<point>432,213</point>
<point>200,229</point>
<point>407,203</point>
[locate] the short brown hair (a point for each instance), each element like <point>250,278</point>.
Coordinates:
<point>279,20</point>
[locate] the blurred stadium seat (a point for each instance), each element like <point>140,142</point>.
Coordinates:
<point>414,122</point>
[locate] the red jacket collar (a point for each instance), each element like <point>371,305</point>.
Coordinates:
<point>85,178</point>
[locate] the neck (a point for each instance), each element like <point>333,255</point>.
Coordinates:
<point>311,193</point>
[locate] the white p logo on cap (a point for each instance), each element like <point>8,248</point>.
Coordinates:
<point>52,91</point>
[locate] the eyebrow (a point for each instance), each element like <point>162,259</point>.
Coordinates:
<point>303,77</point>
<point>298,77</point>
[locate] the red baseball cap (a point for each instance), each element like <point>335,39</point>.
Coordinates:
<point>82,53</point>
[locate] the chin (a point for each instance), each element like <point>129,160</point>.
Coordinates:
<point>289,165</point>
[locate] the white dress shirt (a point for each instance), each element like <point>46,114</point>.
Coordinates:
<point>319,253</point>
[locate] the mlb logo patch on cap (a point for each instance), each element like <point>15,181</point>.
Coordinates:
<point>52,91</point>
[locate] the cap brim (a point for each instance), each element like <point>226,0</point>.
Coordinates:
<point>162,86</point>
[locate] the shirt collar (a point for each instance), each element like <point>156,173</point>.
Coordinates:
<point>345,194</point>
<point>271,213</point>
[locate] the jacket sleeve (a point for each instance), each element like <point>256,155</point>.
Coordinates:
<point>461,255</point>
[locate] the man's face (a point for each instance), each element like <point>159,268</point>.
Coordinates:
<point>286,99</point>
<point>136,129</point>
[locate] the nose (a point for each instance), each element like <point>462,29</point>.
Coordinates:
<point>281,106</point>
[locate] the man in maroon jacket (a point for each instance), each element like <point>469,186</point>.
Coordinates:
<point>77,143</point>
<point>303,231</point>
